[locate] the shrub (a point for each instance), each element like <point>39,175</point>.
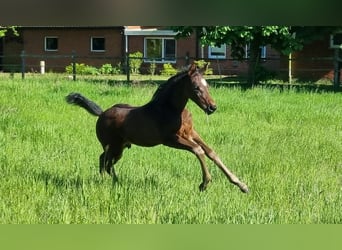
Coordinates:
<point>168,70</point>
<point>135,61</point>
<point>262,74</point>
<point>201,64</point>
<point>106,69</point>
<point>90,70</point>
<point>152,68</point>
<point>117,70</point>
<point>82,69</point>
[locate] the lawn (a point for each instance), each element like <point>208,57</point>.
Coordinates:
<point>285,144</point>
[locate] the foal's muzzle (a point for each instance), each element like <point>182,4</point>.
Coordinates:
<point>210,109</point>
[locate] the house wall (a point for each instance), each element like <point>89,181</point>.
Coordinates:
<point>185,47</point>
<point>11,50</point>
<point>314,62</point>
<point>187,51</point>
<point>230,66</point>
<point>69,40</point>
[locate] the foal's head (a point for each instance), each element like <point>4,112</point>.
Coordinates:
<point>198,90</point>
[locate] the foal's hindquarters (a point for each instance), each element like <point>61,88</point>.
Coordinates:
<point>109,135</point>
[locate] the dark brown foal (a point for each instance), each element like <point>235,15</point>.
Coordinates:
<point>163,120</point>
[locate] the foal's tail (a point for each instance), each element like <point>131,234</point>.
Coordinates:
<point>78,99</point>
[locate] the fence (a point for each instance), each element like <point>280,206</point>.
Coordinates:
<point>307,69</point>
<point>58,63</point>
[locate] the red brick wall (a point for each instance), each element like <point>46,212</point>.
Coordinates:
<point>314,62</point>
<point>78,40</point>
<point>187,47</point>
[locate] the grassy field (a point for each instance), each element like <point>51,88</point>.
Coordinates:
<point>286,145</point>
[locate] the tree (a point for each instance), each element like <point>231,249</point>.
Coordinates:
<point>284,39</point>
<point>3,30</point>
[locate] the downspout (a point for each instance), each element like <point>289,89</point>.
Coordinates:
<point>126,56</point>
<point>290,68</point>
<point>290,61</point>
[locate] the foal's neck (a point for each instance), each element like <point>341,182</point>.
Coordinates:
<point>172,99</point>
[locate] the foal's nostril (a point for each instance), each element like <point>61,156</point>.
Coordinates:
<point>211,109</point>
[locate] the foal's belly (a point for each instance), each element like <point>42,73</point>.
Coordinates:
<point>139,125</point>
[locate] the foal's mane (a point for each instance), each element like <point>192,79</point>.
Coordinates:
<point>165,87</point>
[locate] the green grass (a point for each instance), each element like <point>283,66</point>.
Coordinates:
<point>286,145</point>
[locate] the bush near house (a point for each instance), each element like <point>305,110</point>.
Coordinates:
<point>82,69</point>
<point>105,69</point>
<point>135,61</point>
<point>168,70</point>
<point>201,64</point>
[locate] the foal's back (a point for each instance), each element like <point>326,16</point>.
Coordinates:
<point>143,126</point>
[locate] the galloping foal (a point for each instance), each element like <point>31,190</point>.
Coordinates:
<point>163,120</point>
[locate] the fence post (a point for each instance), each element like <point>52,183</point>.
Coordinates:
<point>187,58</point>
<point>42,67</point>
<point>337,69</point>
<point>22,55</point>
<point>127,67</point>
<point>73,62</point>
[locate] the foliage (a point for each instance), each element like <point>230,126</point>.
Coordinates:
<point>152,68</point>
<point>285,39</point>
<point>285,144</point>
<point>135,61</point>
<point>81,69</point>
<point>106,69</point>
<point>4,30</point>
<point>201,63</point>
<point>168,70</point>
<point>117,70</point>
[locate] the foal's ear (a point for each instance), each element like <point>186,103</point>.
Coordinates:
<point>204,69</point>
<point>192,69</point>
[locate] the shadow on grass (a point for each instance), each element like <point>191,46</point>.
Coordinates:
<point>78,182</point>
<point>60,181</point>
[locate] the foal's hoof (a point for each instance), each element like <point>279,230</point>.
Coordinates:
<point>203,186</point>
<point>243,187</point>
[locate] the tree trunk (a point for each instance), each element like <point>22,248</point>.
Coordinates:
<point>253,63</point>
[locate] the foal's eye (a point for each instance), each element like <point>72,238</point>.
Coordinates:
<point>197,88</point>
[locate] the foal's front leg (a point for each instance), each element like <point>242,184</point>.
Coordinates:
<point>214,157</point>
<point>185,144</point>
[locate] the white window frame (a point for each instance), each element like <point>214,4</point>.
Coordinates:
<point>163,51</point>
<point>263,54</point>
<point>91,44</point>
<point>336,41</point>
<point>45,43</point>
<point>212,49</point>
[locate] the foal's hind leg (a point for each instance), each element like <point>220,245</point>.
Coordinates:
<point>109,157</point>
<point>214,157</point>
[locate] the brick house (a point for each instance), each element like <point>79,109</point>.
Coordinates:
<point>55,45</point>
<point>99,45</point>
<point>314,62</point>
<point>161,45</point>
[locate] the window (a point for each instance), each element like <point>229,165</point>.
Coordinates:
<point>160,50</point>
<point>97,44</point>
<point>262,52</point>
<point>51,43</point>
<point>336,41</point>
<point>217,52</point>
